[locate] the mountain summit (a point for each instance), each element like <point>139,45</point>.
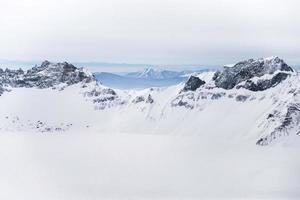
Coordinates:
<point>46,75</point>
<point>275,68</point>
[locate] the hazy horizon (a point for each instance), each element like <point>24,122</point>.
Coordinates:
<point>108,66</point>
<point>112,67</point>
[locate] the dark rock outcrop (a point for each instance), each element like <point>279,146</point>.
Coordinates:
<point>101,95</point>
<point>245,70</point>
<point>261,85</point>
<point>96,92</point>
<point>193,84</point>
<point>138,99</point>
<point>149,99</point>
<point>289,124</point>
<point>10,77</point>
<point>241,98</point>
<point>103,98</point>
<point>217,95</point>
<point>186,100</point>
<point>1,90</point>
<point>49,74</point>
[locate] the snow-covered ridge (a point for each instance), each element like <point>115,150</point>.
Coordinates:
<point>229,77</point>
<point>257,99</point>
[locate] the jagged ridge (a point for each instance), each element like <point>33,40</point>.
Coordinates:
<point>248,69</point>
<point>45,76</point>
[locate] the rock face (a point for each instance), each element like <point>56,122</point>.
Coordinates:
<point>45,76</point>
<point>1,90</point>
<point>264,84</point>
<point>138,99</point>
<point>149,99</point>
<point>245,70</point>
<point>101,97</point>
<point>193,84</point>
<point>288,126</point>
<point>11,77</point>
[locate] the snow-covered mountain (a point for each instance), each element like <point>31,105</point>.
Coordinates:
<point>45,76</point>
<point>126,82</point>
<point>253,100</point>
<point>151,73</point>
<point>147,78</point>
<point>159,74</point>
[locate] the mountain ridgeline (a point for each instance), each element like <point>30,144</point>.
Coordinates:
<point>244,71</point>
<point>258,98</point>
<point>45,76</point>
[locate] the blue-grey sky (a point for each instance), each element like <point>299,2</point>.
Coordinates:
<point>211,32</point>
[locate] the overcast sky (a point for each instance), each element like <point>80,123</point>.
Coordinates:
<point>210,32</point>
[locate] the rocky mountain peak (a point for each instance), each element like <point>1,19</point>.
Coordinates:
<point>49,67</point>
<point>192,84</point>
<point>46,75</point>
<point>45,63</point>
<point>229,77</point>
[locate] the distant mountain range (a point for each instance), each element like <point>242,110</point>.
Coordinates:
<point>146,78</point>
<point>150,73</point>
